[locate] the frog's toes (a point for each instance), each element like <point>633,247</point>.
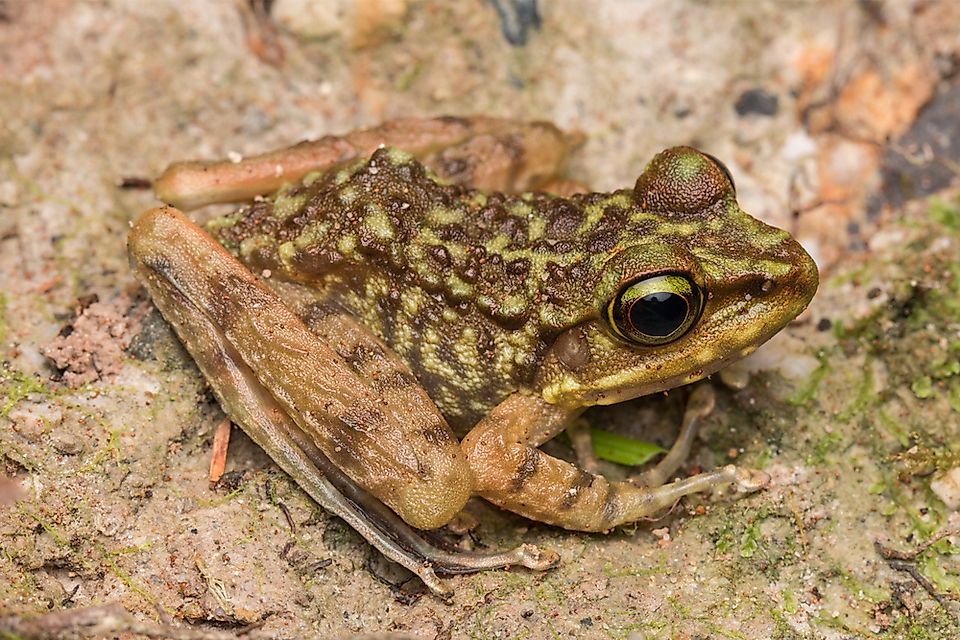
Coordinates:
<point>437,586</point>
<point>533,557</point>
<point>749,480</point>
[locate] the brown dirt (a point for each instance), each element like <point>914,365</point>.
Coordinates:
<point>90,347</point>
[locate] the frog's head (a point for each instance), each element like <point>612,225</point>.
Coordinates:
<point>695,284</point>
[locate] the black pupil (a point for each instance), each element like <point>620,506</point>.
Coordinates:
<point>658,314</point>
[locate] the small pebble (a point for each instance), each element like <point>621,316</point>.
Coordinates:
<point>947,488</point>
<point>68,444</point>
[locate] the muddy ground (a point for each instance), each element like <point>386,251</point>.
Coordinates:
<point>839,121</point>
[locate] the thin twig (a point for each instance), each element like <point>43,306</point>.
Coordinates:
<point>906,561</point>
<point>134,182</point>
<point>218,456</point>
<point>286,514</point>
<point>69,598</point>
<point>912,570</point>
<point>889,553</point>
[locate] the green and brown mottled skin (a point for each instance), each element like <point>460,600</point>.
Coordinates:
<point>434,303</point>
<point>472,289</point>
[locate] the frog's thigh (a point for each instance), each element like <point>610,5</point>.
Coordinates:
<point>512,473</point>
<point>495,154</point>
<point>405,455</point>
<point>267,424</point>
<point>176,278</point>
<point>370,357</point>
<point>366,354</point>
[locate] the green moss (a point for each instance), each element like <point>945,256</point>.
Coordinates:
<point>641,572</point>
<point>545,595</point>
<point>781,628</point>
<point>877,488</point>
<point>741,532</point>
<point>761,460</point>
<point>789,601</point>
<point>860,590</point>
<point>750,542</point>
<point>808,391</point>
<point>953,394</point>
<point>15,386</point>
<point>125,578</point>
<point>932,623</point>
<point>944,367</point>
<point>125,551</point>
<point>932,565</point>
<point>219,500</point>
<point>724,541</point>
<point>927,456</point>
<point>406,79</point>
<point>946,213</point>
<point>716,631</point>
<point>58,537</point>
<point>824,447</point>
<point>892,427</point>
<point>865,396</point>
<point>111,450</point>
<point>17,456</point>
<point>866,329</point>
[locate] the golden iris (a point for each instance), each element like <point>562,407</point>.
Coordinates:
<point>655,310</point>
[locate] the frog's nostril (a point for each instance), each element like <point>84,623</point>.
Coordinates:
<point>755,288</point>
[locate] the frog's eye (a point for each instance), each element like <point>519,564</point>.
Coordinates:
<point>655,310</point>
<point>726,172</point>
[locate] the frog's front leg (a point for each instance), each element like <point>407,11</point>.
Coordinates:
<point>325,422</point>
<point>513,473</point>
<point>699,405</point>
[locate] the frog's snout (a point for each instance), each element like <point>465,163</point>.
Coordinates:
<point>804,276</point>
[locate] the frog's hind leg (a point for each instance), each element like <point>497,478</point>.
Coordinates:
<point>513,473</point>
<point>372,359</point>
<point>487,153</point>
<point>189,277</point>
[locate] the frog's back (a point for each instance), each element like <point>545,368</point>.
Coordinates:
<point>468,288</point>
<point>472,289</point>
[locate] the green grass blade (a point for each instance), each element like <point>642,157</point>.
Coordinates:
<point>622,450</point>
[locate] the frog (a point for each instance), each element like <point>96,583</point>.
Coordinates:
<point>402,316</point>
